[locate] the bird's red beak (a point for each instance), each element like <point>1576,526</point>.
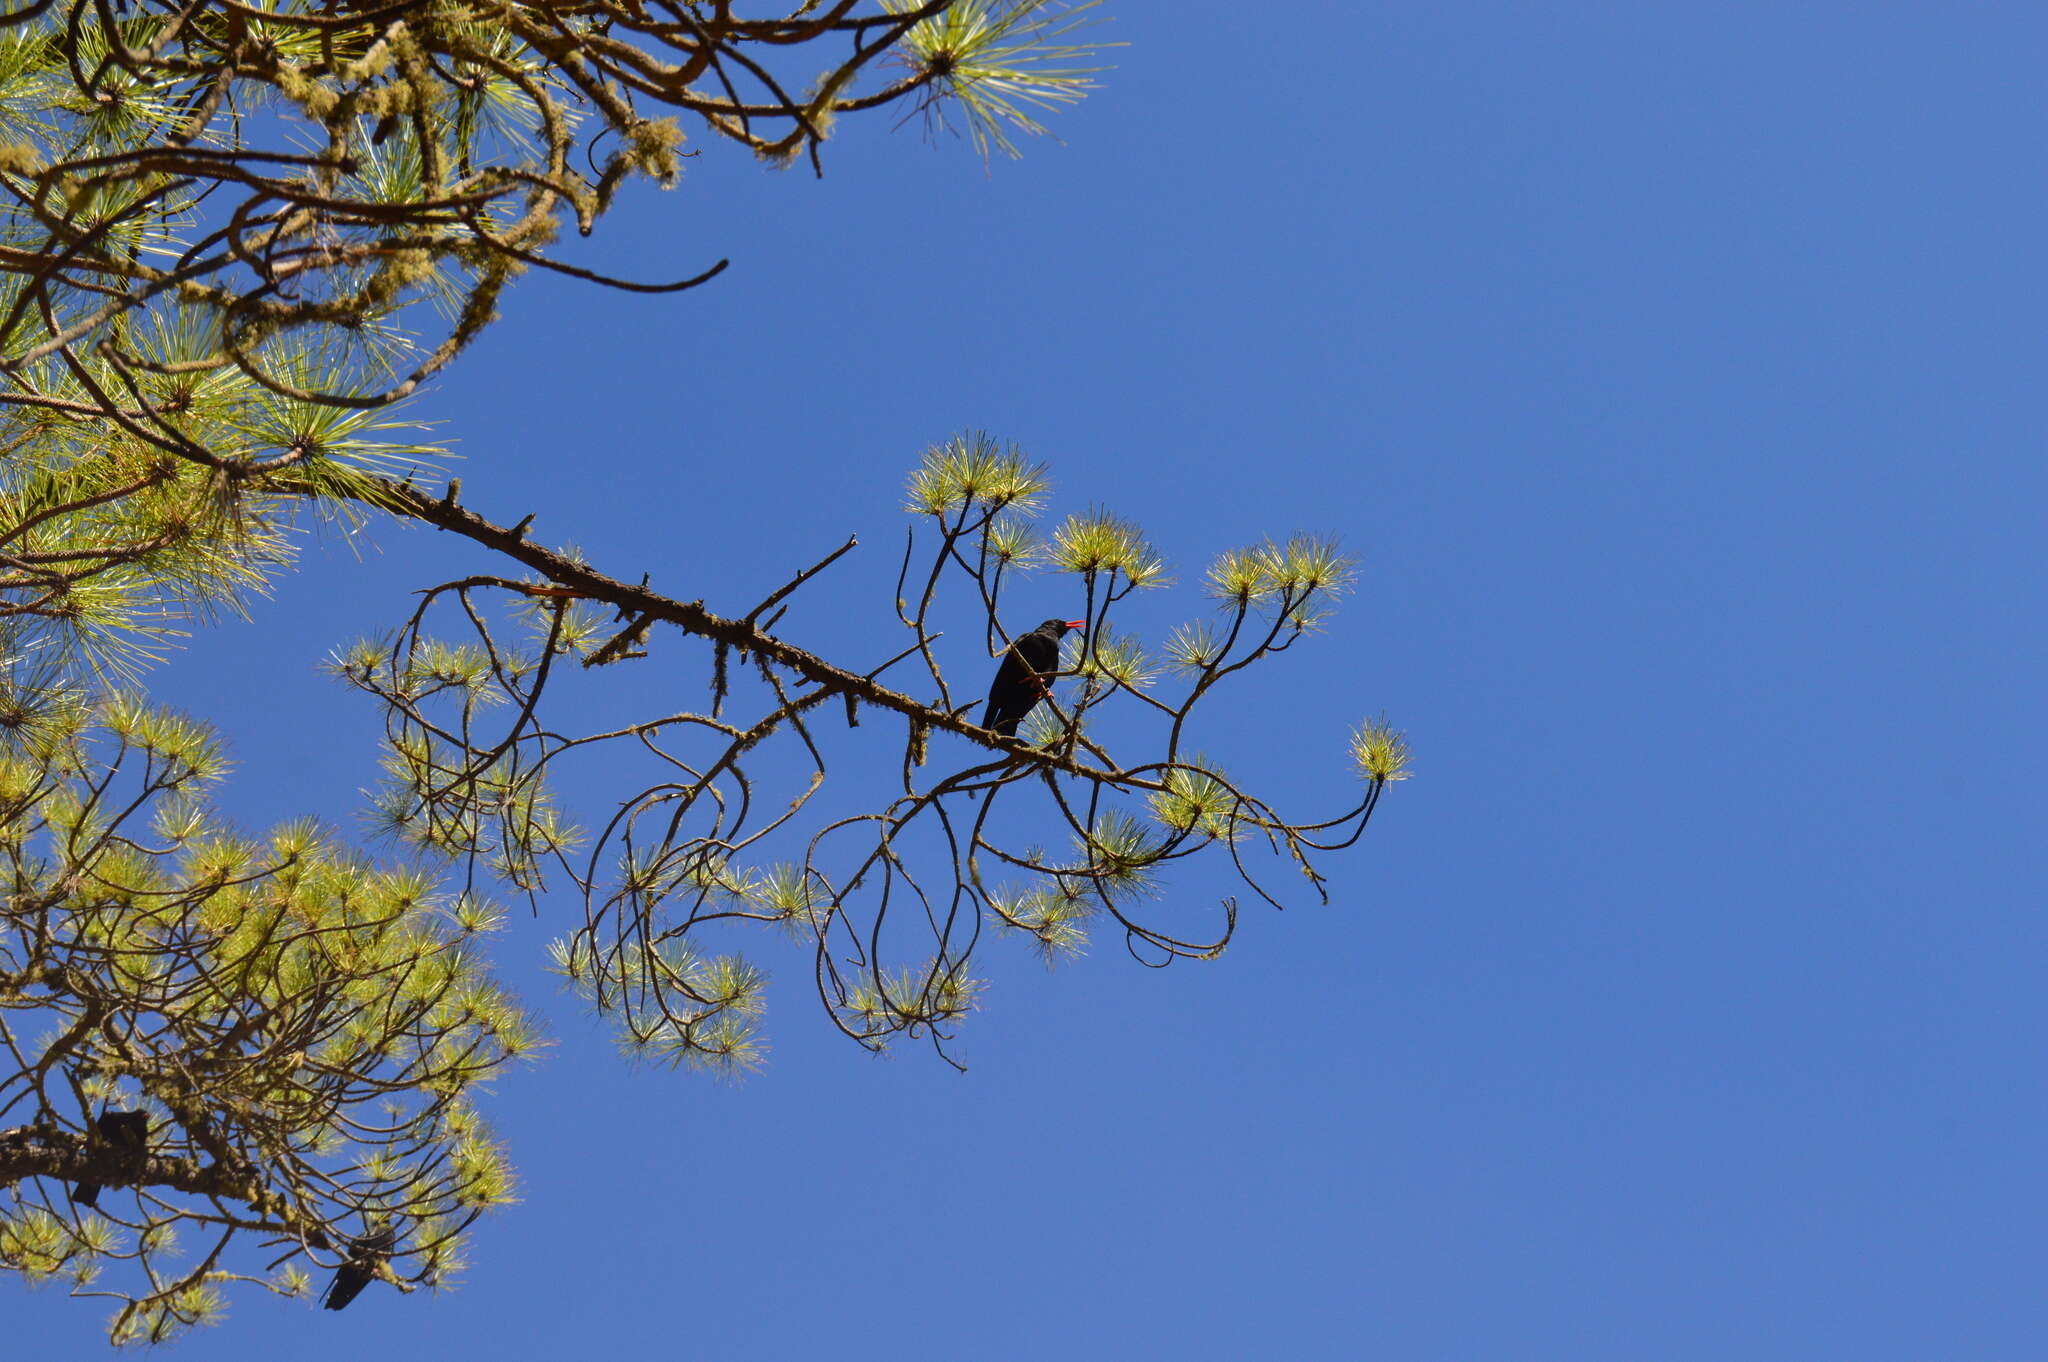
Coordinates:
<point>1077,624</point>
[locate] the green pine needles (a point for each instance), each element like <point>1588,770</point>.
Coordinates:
<point>992,62</point>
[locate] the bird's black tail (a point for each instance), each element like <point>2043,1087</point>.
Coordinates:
<point>88,1194</point>
<point>348,1283</point>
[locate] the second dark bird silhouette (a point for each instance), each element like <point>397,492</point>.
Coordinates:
<point>359,1269</point>
<point>1022,679</point>
<point>127,1132</point>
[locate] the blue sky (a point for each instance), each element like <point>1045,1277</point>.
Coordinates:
<point>1674,372</point>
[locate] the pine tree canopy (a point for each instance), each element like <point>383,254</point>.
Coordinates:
<point>237,241</point>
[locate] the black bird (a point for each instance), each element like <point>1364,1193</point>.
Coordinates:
<point>128,1133</point>
<point>359,1269</point>
<point>1021,680</point>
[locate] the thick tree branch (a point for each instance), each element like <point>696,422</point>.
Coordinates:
<point>44,1152</point>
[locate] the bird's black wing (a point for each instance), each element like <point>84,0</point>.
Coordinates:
<point>1040,653</point>
<point>1010,695</point>
<point>1020,681</point>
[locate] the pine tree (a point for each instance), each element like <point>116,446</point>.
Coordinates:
<point>224,226</point>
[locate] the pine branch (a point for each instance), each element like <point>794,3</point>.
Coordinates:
<point>692,617</point>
